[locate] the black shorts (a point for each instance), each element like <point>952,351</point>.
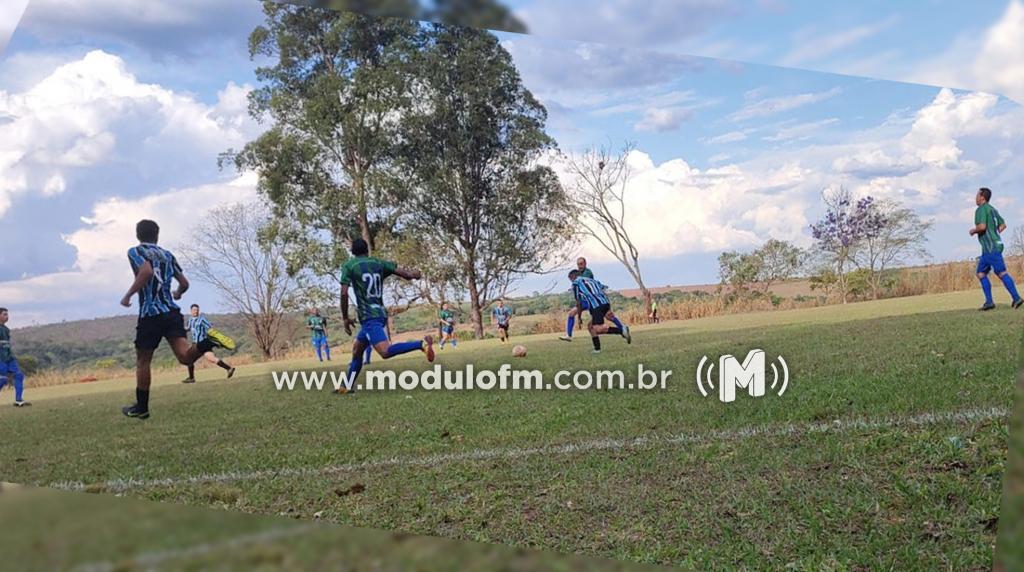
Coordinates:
<point>597,314</point>
<point>503,327</point>
<point>205,345</point>
<point>151,329</point>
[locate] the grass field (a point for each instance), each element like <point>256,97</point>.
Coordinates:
<point>886,452</point>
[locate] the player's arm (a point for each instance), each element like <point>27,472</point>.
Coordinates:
<point>344,309</point>
<point>408,273</point>
<point>142,276</point>
<point>182,285</point>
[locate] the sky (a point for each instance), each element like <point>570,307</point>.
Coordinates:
<point>106,120</point>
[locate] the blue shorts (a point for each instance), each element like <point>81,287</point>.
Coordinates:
<point>373,331</point>
<point>319,340</point>
<point>991,261</point>
<point>10,368</point>
<point>447,329</point>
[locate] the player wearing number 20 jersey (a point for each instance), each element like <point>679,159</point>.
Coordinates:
<point>365,275</point>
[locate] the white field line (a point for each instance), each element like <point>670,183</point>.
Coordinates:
<point>153,560</point>
<point>512,453</point>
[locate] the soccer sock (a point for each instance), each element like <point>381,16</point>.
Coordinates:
<point>597,342</point>
<point>367,354</point>
<point>221,363</point>
<point>986,287</point>
<point>142,399</point>
<point>19,386</point>
<point>617,323</point>
<point>405,347</point>
<point>455,343</point>
<point>191,370</point>
<point>569,325</point>
<point>1010,286</point>
<point>353,371</point>
<point>615,331</point>
<point>319,355</point>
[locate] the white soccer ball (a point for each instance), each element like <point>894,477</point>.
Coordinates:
<point>519,351</point>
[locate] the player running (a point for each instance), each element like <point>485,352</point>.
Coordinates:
<point>988,225</point>
<point>317,324</point>
<point>159,316</point>
<point>570,323</point>
<point>366,275</point>
<point>501,317</point>
<point>446,321</point>
<point>589,293</point>
<point>198,327</point>
<point>8,365</point>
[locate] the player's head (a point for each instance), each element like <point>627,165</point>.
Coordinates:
<point>574,274</point>
<point>315,310</point>
<point>195,310</point>
<point>581,263</point>
<point>444,306</point>
<point>147,231</point>
<point>360,248</point>
<point>501,302</point>
<point>3,315</point>
<point>984,195</point>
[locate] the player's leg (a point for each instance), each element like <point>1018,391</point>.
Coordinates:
<point>984,267</point>
<point>359,347</point>
<point>620,328</point>
<point>212,358</point>
<point>379,338</point>
<point>317,347</point>
<point>18,378</point>
<point>999,267</point>
<point>327,347</point>
<point>4,378</point>
<point>143,359</point>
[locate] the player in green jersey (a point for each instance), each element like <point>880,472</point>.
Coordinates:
<point>988,225</point>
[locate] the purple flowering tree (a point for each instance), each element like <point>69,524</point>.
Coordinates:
<point>845,228</point>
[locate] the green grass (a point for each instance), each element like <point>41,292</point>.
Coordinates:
<point>900,497</point>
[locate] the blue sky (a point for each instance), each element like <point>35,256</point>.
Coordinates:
<point>106,120</point>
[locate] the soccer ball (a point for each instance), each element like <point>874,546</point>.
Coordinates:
<point>519,351</point>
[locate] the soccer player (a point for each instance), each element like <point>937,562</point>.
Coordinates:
<point>570,324</point>
<point>198,327</point>
<point>318,326</point>
<point>366,274</point>
<point>446,319</point>
<point>589,293</point>
<point>8,365</point>
<point>159,316</point>
<point>988,225</point>
<point>501,317</point>
<point>654,311</point>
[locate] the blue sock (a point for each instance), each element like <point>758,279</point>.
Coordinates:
<point>455,342</point>
<point>617,323</point>
<point>986,287</point>
<point>367,354</point>
<point>319,356</point>
<point>354,368</point>
<point>569,325</point>
<point>1010,286</point>
<point>327,349</point>
<point>405,347</point>
<point>19,385</point>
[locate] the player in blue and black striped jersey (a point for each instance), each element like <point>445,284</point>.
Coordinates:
<point>159,316</point>
<point>589,294</point>
<point>198,327</point>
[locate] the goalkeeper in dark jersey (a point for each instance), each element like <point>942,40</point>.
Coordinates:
<point>366,274</point>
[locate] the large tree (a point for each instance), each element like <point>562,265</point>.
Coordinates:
<point>334,93</point>
<point>597,194</point>
<point>841,232</point>
<point>477,194</point>
<point>897,235</point>
<point>235,249</point>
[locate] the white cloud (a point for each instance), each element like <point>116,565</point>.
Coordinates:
<point>92,110</point>
<point>773,105</point>
<point>101,273</point>
<point>801,131</point>
<point>811,47</point>
<point>660,120</point>
<point>994,63</point>
<point>730,137</point>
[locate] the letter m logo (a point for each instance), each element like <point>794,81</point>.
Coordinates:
<point>749,375</point>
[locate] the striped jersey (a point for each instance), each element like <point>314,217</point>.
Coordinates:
<point>198,327</point>
<point>365,275</point>
<point>155,297</point>
<point>502,315</point>
<point>589,292</point>
<point>990,239</point>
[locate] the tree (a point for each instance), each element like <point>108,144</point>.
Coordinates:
<point>1017,242</point>
<point>235,249</point>
<point>894,235</point>
<point>335,93</point>
<point>476,192</point>
<point>842,231</point>
<point>779,260</point>
<point>739,270</point>
<point>598,197</point>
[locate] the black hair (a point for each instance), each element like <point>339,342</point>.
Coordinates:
<point>196,306</point>
<point>986,192</point>
<point>2,310</point>
<point>147,231</point>
<point>573,274</point>
<point>360,248</point>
